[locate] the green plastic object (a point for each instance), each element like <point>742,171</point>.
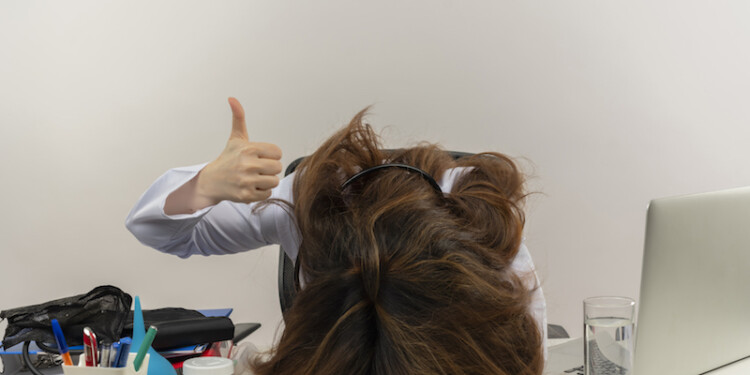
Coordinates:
<point>157,365</point>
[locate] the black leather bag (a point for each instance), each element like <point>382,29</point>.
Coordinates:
<point>104,309</point>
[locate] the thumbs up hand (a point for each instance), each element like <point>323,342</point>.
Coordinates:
<point>245,171</point>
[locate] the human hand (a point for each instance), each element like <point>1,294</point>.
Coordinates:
<point>245,171</point>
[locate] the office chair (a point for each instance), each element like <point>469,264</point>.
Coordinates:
<point>287,290</point>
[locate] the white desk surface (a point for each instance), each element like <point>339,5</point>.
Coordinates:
<point>738,368</point>
<point>741,367</point>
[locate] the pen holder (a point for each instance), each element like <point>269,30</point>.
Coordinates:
<point>129,369</point>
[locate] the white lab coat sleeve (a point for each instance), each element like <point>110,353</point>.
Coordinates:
<point>225,228</point>
<point>524,266</point>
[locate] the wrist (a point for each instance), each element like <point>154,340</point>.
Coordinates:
<point>202,196</point>
<point>186,199</point>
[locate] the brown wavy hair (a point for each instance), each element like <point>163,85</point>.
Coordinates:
<point>401,279</point>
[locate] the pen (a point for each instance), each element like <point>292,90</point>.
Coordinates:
<point>62,346</point>
<point>105,355</point>
<point>89,347</point>
<point>123,350</point>
<point>147,340</point>
<point>114,353</point>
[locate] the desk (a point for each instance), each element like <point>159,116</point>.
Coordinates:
<point>738,368</point>
<point>568,353</point>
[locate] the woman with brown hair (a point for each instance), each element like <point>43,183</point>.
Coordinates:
<point>409,262</point>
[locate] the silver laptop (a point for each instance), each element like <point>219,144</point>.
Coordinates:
<point>694,308</point>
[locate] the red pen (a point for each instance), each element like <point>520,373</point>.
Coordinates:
<point>90,349</point>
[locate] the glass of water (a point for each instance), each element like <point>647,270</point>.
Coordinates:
<point>608,335</point>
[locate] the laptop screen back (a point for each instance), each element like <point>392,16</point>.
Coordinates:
<point>694,309</point>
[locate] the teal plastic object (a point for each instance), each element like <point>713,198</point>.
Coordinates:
<point>157,365</point>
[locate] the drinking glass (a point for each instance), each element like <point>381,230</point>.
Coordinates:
<point>608,335</point>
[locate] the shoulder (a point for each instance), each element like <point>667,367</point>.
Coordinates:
<point>284,190</point>
<point>450,176</point>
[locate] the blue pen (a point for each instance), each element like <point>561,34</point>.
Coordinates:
<point>121,359</point>
<point>114,353</point>
<point>62,346</point>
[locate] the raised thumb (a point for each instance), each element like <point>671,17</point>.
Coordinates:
<point>239,128</point>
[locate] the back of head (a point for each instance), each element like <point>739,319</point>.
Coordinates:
<point>402,279</point>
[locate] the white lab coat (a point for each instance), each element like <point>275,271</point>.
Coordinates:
<point>230,227</point>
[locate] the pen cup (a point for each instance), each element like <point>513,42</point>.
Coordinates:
<point>127,370</point>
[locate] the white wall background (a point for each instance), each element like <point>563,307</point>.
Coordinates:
<point>609,104</point>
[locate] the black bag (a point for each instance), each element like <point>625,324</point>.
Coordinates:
<point>104,309</point>
<point>180,327</point>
